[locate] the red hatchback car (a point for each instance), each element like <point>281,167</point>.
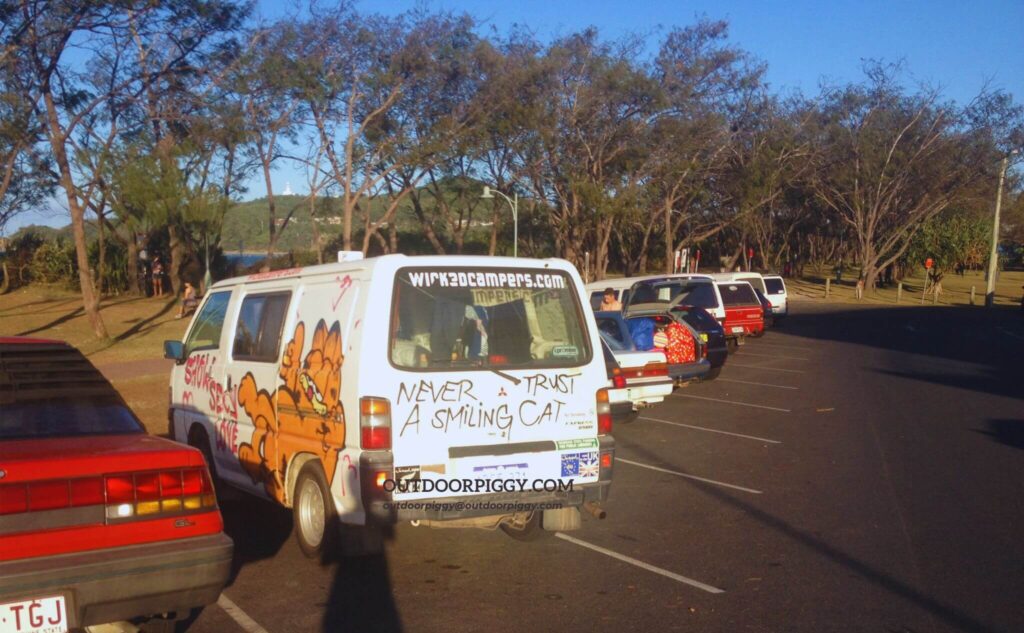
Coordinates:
<point>743,311</point>
<point>99,522</point>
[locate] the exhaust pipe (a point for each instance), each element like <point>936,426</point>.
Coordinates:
<point>595,510</point>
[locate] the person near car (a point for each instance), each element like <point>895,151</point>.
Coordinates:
<point>189,301</point>
<point>609,302</point>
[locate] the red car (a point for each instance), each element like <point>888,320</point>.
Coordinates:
<point>99,522</point>
<point>744,315</point>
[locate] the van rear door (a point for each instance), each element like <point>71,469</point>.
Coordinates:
<point>496,379</point>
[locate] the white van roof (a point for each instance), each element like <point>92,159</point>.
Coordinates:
<point>390,263</point>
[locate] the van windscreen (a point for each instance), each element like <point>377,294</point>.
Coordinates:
<point>486,318</point>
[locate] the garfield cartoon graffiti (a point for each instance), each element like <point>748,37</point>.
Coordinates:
<point>304,414</point>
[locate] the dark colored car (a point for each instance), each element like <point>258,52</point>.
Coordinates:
<point>767,313</point>
<point>710,331</point>
<point>99,521</point>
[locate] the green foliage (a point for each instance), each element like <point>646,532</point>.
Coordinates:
<point>951,240</point>
<point>54,263</point>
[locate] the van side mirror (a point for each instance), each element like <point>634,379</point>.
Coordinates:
<point>174,350</point>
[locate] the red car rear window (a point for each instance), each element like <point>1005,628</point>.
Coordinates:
<point>49,418</point>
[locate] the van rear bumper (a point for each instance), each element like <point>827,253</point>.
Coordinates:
<point>381,508</point>
<point>126,582</point>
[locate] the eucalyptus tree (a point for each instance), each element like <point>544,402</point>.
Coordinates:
<point>889,160</point>
<point>145,46</point>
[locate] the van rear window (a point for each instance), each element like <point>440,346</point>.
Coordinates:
<point>775,286</point>
<point>738,294</point>
<point>486,318</point>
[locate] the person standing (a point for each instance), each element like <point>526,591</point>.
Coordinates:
<point>189,301</point>
<point>158,277</point>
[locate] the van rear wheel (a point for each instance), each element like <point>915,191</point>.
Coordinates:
<point>528,530</point>
<point>313,512</point>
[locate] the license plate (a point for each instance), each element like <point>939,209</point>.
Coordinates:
<point>704,337</point>
<point>43,615</point>
<point>737,329</point>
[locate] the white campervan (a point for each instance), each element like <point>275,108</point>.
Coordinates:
<point>777,295</point>
<point>449,391</point>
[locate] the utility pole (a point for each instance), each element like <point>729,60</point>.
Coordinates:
<point>993,257</point>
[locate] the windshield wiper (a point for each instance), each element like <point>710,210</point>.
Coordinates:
<point>508,377</point>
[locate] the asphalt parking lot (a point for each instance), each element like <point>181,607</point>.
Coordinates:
<point>855,469</point>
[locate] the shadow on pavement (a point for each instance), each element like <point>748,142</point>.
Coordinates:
<point>1008,432</point>
<point>950,614</point>
<point>259,528</point>
<point>990,340</point>
<point>361,597</point>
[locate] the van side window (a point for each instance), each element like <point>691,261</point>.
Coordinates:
<point>205,334</point>
<point>258,331</point>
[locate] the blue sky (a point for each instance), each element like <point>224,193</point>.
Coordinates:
<point>959,46</point>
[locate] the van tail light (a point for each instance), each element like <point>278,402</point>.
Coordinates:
<point>375,423</point>
<point>604,413</point>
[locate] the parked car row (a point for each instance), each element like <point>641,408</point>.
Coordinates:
<point>358,394</point>
<point>717,311</point>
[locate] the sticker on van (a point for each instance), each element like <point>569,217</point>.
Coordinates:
<point>306,397</point>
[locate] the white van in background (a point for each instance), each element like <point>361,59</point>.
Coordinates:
<point>777,295</point>
<point>451,391</point>
<point>754,279</point>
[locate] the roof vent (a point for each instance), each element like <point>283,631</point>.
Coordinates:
<point>349,256</point>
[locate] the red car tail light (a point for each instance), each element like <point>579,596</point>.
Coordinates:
<point>48,495</point>
<point>86,492</point>
<point>154,494</point>
<point>648,370</point>
<point>13,498</point>
<point>618,380</point>
<point>604,413</point>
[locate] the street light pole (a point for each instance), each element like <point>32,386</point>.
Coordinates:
<point>993,257</point>
<point>488,194</point>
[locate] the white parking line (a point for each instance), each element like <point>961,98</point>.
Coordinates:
<point>701,428</point>
<point>688,476</point>
<point>789,371</point>
<point>639,563</point>
<point>739,404</point>
<point>759,384</point>
<point>239,616</point>
<point>746,353</point>
<point>789,347</point>
<point>1006,331</point>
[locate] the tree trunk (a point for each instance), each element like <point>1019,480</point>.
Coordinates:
<point>90,300</point>
<point>428,228</point>
<point>316,230</point>
<point>669,240</point>
<point>101,264</point>
<point>6,285</point>
<point>133,265</point>
<point>271,219</point>
<point>177,245</point>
